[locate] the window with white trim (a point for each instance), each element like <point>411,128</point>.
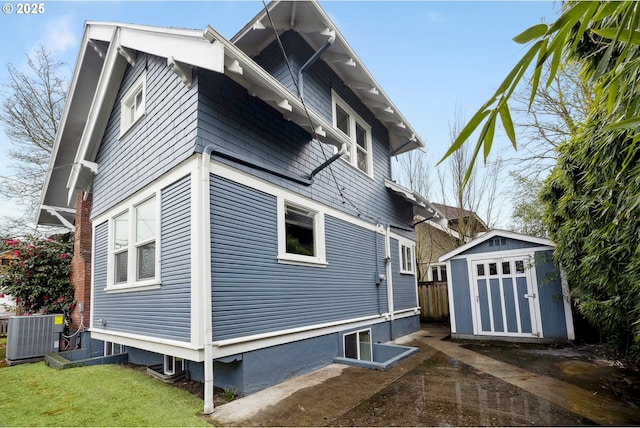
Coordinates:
<point>407,258</point>
<point>358,345</point>
<point>132,106</point>
<point>172,365</point>
<point>134,253</point>
<point>346,120</point>
<point>300,234</point>
<point>439,273</point>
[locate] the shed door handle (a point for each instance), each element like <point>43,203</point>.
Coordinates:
<point>530,296</point>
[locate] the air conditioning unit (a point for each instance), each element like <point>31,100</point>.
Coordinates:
<point>31,337</point>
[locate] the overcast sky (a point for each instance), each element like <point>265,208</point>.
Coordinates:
<point>432,58</point>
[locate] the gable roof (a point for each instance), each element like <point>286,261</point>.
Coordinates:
<point>309,20</point>
<point>108,47</point>
<point>492,234</point>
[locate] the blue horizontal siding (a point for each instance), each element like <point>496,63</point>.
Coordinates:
<point>160,140</point>
<point>231,118</point>
<point>253,293</point>
<point>163,312</point>
<point>404,285</point>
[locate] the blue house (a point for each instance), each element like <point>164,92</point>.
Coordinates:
<point>506,286</point>
<point>244,225</point>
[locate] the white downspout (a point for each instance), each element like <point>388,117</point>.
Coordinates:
<point>205,254</point>
<point>389,272</point>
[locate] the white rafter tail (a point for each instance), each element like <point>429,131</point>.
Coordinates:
<point>373,90</point>
<point>182,70</point>
<point>388,109</point>
<point>128,54</point>
<point>258,25</point>
<point>401,125</point>
<point>328,32</point>
<point>284,104</point>
<point>233,66</point>
<point>91,166</point>
<point>319,130</point>
<point>100,50</point>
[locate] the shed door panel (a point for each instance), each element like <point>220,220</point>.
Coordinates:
<point>505,297</point>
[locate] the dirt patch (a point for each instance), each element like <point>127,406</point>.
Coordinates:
<point>193,387</point>
<point>591,367</point>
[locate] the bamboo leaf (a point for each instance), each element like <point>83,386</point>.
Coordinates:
<point>588,16</point>
<point>537,72</point>
<point>531,33</point>
<point>488,136</point>
<point>623,34</point>
<point>466,132</point>
<point>514,75</point>
<point>632,123</point>
<point>507,123</point>
<point>571,16</point>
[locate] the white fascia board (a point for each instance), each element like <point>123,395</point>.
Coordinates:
<point>398,117</point>
<point>104,97</point>
<point>182,47</point>
<point>63,120</point>
<point>493,233</point>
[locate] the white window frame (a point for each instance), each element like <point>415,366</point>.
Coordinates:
<point>131,111</point>
<point>354,119</point>
<point>357,333</point>
<point>319,258</point>
<point>132,282</point>
<point>172,365</point>
<point>439,269</point>
<point>403,247</point>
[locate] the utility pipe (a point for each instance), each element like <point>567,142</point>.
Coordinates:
<point>312,60</point>
<point>205,253</point>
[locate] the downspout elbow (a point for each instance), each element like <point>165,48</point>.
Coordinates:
<point>312,60</point>
<point>328,162</point>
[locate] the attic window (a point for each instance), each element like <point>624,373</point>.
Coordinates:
<point>346,120</point>
<point>132,106</point>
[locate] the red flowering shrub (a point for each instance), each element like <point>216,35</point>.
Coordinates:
<point>39,278</point>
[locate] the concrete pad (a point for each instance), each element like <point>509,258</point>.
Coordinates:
<point>246,407</point>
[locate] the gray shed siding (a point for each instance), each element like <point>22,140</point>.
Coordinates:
<point>163,312</point>
<point>552,311</point>
<point>163,137</point>
<point>505,245</point>
<point>253,293</point>
<point>461,296</point>
<point>231,118</point>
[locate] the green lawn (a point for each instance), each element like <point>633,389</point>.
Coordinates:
<point>106,395</point>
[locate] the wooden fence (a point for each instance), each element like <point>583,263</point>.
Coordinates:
<point>433,298</point>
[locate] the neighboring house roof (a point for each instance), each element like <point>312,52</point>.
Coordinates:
<point>452,215</point>
<point>108,47</point>
<point>492,234</point>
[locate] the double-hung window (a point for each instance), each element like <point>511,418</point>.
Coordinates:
<point>407,259</point>
<point>352,125</point>
<point>132,106</point>
<point>300,234</point>
<point>134,258</point>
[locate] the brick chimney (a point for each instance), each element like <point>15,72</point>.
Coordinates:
<point>81,261</point>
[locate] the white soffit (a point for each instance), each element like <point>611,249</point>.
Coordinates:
<point>312,23</point>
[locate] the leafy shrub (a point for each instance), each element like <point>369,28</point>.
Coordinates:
<point>39,276</point>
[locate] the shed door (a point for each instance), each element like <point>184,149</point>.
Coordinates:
<point>506,301</point>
